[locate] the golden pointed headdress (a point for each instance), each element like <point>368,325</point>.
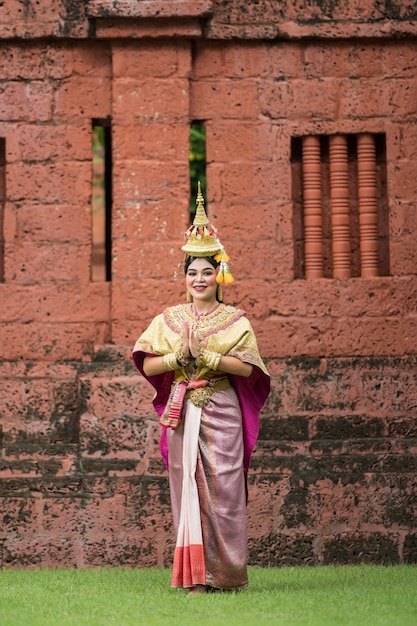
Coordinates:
<point>202,240</point>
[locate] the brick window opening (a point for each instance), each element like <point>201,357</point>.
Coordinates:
<point>2,203</point>
<point>340,218</point>
<point>197,161</point>
<point>101,209</point>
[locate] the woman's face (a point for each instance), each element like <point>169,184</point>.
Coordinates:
<point>200,281</point>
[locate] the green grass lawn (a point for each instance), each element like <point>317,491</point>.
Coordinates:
<point>321,596</point>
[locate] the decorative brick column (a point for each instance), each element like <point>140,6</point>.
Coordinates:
<point>368,219</point>
<point>339,191</point>
<point>313,245</point>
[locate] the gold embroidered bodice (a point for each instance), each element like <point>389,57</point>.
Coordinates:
<point>225,329</point>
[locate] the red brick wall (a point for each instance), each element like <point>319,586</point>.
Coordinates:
<point>81,480</point>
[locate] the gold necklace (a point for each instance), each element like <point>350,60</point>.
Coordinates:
<point>200,315</point>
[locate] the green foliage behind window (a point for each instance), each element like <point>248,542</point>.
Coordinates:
<point>197,163</point>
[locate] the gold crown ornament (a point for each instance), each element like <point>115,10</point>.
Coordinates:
<point>202,240</point>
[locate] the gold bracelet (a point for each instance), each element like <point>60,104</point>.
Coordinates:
<point>170,361</point>
<point>182,361</point>
<point>211,359</point>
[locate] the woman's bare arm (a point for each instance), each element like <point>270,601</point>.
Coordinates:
<point>154,365</point>
<point>233,365</point>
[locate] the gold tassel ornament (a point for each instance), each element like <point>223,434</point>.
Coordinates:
<point>224,275</point>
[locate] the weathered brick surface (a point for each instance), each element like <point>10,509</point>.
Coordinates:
<point>333,475</point>
<point>149,8</point>
<point>260,19</point>
<point>82,482</point>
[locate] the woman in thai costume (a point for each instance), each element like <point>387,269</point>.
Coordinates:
<point>211,383</point>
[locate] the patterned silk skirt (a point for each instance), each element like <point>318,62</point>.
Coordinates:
<point>208,497</point>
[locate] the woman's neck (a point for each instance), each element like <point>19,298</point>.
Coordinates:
<point>202,308</point>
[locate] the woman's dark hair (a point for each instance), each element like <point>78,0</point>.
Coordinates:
<point>191,259</point>
<point>212,261</point>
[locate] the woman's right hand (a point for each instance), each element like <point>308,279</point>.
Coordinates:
<point>189,341</point>
<point>185,340</point>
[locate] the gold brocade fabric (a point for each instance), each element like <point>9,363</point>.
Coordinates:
<point>225,330</point>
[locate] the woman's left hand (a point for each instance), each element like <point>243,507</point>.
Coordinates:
<point>190,341</point>
<point>185,340</point>
<point>193,342</point>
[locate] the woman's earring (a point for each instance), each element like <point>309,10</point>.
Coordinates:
<point>219,293</point>
<point>189,298</point>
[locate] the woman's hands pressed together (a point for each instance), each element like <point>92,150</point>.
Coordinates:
<point>193,349</point>
<point>190,341</point>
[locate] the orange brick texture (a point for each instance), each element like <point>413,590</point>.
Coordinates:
<point>82,483</point>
